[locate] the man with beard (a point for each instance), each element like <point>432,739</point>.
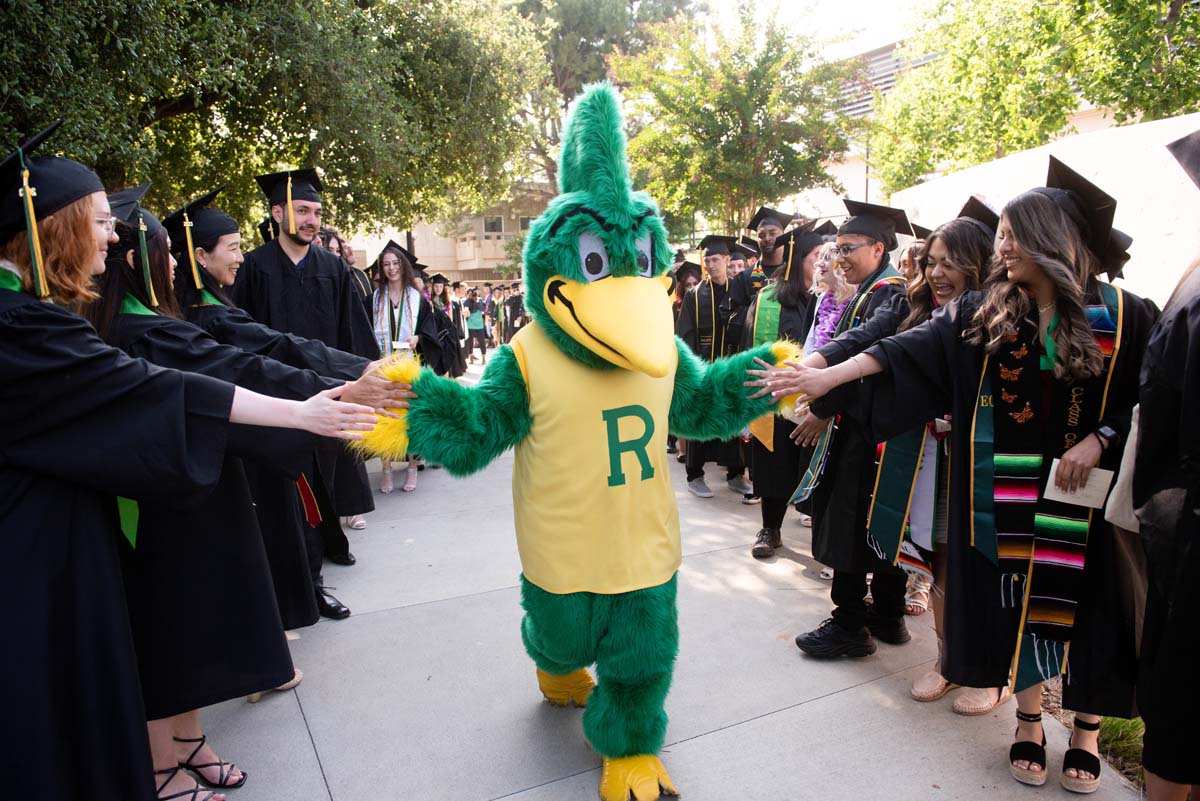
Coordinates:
<point>288,285</point>
<point>514,312</point>
<point>705,323</point>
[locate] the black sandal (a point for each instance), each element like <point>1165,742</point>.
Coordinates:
<point>1028,751</point>
<point>192,794</point>
<point>1081,761</point>
<point>224,769</point>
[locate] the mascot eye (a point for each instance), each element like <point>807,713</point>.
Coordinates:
<point>593,257</point>
<point>645,256</point>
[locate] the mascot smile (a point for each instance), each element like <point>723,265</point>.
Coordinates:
<point>586,394</point>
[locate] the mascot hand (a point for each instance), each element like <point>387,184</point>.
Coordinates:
<point>784,351</point>
<point>389,439</point>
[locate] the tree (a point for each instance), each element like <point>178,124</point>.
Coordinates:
<point>514,254</point>
<point>577,38</point>
<point>1016,71</point>
<point>724,121</point>
<point>408,107</point>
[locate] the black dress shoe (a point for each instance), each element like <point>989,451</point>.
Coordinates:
<point>889,630</point>
<point>331,607</point>
<point>830,640</point>
<point>765,543</point>
<point>346,559</point>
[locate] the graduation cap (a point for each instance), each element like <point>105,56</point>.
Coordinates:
<point>438,278</point>
<point>881,223</point>
<point>1089,207</point>
<point>282,188</point>
<point>1187,152</point>
<point>769,216</point>
<point>33,188</point>
<point>456,285</point>
<point>981,214</point>
<point>196,222</point>
<point>796,244</point>
<point>748,246</point>
<point>127,205</point>
<point>742,250</point>
<point>268,229</point>
<point>920,231</point>
<point>391,245</point>
<point>515,286</point>
<point>714,244</point>
<point>686,269</point>
<point>826,228</point>
<point>1116,254</point>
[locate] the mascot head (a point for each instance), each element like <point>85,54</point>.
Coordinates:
<point>596,261</point>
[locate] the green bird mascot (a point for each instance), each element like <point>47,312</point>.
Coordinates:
<point>587,393</point>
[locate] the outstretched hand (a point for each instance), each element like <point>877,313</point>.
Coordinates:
<point>790,378</point>
<point>325,415</point>
<point>809,430</point>
<point>373,390</point>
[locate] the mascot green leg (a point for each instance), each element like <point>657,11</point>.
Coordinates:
<point>633,638</point>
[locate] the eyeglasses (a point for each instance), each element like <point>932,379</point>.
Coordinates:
<point>846,250</point>
<point>109,224</point>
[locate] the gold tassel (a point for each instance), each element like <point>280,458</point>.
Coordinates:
<point>291,214</point>
<point>787,260</point>
<point>191,249</point>
<point>37,271</point>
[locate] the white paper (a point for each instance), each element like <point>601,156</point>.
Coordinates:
<point>1091,494</point>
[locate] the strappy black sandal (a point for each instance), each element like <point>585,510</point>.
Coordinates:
<point>1028,751</point>
<point>1081,762</point>
<point>224,769</point>
<point>192,794</point>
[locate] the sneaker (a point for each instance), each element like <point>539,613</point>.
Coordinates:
<point>750,499</point>
<point>889,630</point>
<point>830,640</point>
<point>740,485</point>
<point>766,542</point>
<point>699,488</point>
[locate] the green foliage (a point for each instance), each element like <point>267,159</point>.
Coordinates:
<point>727,120</point>
<point>1121,746</point>
<point>1005,75</point>
<point>513,256</point>
<point>406,106</point>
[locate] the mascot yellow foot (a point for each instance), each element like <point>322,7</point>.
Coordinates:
<point>642,776</point>
<point>563,690</point>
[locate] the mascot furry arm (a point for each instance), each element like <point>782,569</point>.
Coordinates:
<point>586,394</point>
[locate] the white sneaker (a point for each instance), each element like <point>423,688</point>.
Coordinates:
<point>740,485</point>
<point>699,488</point>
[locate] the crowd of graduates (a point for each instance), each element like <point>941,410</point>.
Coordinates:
<point>955,410</point>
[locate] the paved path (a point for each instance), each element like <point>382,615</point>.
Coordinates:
<point>425,691</point>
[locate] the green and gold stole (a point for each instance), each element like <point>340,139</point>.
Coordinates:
<point>1039,545</point>
<point>712,342</point>
<point>851,318</point>
<point>896,470</point>
<point>765,329</point>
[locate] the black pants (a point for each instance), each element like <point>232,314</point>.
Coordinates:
<point>887,588</point>
<point>773,511</point>
<point>698,453</point>
<point>476,336</point>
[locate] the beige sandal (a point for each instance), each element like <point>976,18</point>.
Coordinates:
<point>917,602</point>
<point>930,687</point>
<point>410,480</point>
<point>975,701</point>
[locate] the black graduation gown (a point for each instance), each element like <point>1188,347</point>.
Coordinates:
<point>777,472</point>
<point>705,325</point>
<point>281,517</point>
<point>1166,489</point>
<point>205,571</point>
<point>364,286</point>
<point>931,368</point>
<point>842,497</point>
<point>83,424</point>
<point>318,301</point>
<point>451,357</point>
<point>514,308</point>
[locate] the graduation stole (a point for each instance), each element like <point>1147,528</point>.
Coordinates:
<point>896,468</point>
<point>1039,545</point>
<point>9,280</point>
<point>706,320</point>
<point>851,318</point>
<point>209,299</point>
<point>765,329</point>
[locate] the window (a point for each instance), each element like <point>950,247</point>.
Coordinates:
<point>525,223</point>
<point>493,225</point>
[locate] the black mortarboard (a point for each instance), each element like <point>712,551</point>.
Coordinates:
<point>878,222</point>
<point>688,268</point>
<point>456,285</point>
<point>768,215</point>
<point>748,245</point>
<point>796,244</point>
<point>742,251</point>
<point>1187,152</point>
<point>680,255</point>
<point>981,214</point>
<point>1089,207</point>
<point>515,286</point>
<point>391,245</point>
<point>281,188</point>
<point>268,230</point>
<point>714,244</point>
<point>33,188</point>
<point>438,278</point>
<point>198,222</point>
<point>1116,254</point>
<point>127,205</point>
<point>920,231</point>
<point>826,228</point>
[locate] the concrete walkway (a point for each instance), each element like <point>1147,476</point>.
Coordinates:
<point>426,693</point>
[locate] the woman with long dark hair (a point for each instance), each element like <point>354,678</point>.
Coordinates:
<point>84,424</point>
<point>205,569</point>
<point>1039,371</point>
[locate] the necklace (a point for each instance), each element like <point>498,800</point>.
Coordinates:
<point>1046,308</point>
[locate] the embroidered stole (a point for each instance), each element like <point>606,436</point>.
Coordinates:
<point>896,468</point>
<point>711,327</point>
<point>765,329</point>
<point>1039,545</point>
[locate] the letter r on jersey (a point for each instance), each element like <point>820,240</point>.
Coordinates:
<point>618,446</point>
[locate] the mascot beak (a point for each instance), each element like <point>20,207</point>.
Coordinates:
<point>626,321</point>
